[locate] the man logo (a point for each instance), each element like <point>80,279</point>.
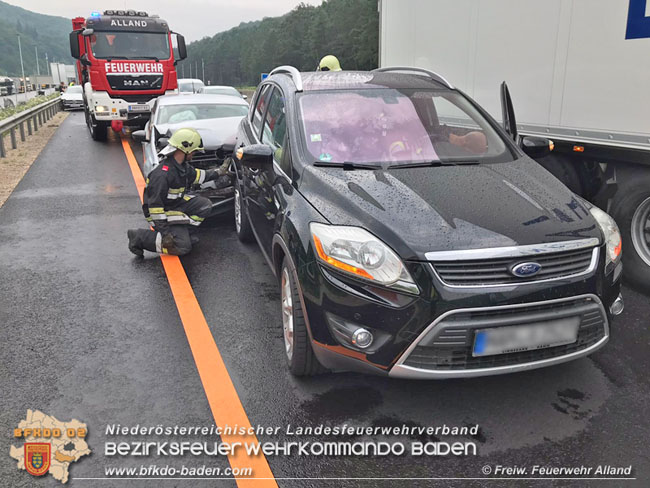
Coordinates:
<point>37,458</point>
<point>526,270</point>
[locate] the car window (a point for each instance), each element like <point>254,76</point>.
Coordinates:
<point>275,124</point>
<point>172,114</point>
<point>260,107</point>
<point>74,89</point>
<point>384,125</point>
<point>211,90</point>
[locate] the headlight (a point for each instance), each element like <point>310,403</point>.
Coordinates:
<point>101,108</point>
<point>357,252</point>
<point>611,232</point>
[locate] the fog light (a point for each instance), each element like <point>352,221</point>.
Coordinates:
<point>362,338</point>
<point>618,306</point>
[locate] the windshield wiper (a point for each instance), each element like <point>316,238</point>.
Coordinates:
<point>434,164</point>
<point>114,57</point>
<point>150,57</point>
<point>347,166</point>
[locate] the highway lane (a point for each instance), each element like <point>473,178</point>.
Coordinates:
<point>92,333</point>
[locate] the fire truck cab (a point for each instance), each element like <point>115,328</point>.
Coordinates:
<point>125,59</point>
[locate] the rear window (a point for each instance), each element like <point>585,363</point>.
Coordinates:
<point>173,114</point>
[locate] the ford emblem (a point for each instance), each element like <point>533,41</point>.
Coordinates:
<point>524,270</point>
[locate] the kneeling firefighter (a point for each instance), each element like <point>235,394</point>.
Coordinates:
<point>174,214</point>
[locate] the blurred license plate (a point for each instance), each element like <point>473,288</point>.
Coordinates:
<point>138,108</point>
<point>516,338</point>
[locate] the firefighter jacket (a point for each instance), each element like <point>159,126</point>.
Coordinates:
<point>167,187</point>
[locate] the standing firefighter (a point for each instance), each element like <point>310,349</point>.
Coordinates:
<point>174,213</point>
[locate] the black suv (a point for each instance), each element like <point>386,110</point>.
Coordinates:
<point>411,236</point>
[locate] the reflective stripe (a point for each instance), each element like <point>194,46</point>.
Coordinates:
<point>159,242</point>
<point>174,212</point>
<point>187,198</point>
<point>149,219</point>
<point>197,218</point>
<point>193,222</point>
<point>200,176</point>
<point>156,210</point>
<point>173,196</point>
<point>176,190</point>
<point>158,217</point>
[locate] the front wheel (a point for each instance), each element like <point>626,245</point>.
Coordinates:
<point>242,224</point>
<point>297,347</point>
<point>98,130</point>
<point>631,210</point>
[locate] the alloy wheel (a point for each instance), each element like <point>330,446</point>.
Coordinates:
<point>287,313</point>
<point>640,230</point>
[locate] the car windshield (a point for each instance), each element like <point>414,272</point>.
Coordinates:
<point>391,126</point>
<point>213,90</point>
<point>130,45</point>
<point>73,89</point>
<point>173,114</point>
<point>190,87</point>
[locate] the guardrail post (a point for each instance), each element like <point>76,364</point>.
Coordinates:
<point>3,153</point>
<point>22,132</point>
<point>29,127</point>
<point>35,123</point>
<point>12,133</point>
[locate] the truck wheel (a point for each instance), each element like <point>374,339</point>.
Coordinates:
<point>563,168</point>
<point>242,224</point>
<point>300,356</point>
<point>98,130</point>
<point>631,210</point>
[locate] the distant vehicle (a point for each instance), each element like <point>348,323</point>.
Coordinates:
<point>124,61</point>
<point>7,86</point>
<point>223,90</point>
<point>73,98</point>
<point>190,85</point>
<point>574,71</point>
<point>216,117</point>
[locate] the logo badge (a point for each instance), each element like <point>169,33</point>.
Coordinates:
<point>37,458</point>
<point>526,270</point>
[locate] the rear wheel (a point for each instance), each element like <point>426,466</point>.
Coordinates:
<point>300,356</point>
<point>98,130</point>
<point>631,210</point>
<point>242,224</point>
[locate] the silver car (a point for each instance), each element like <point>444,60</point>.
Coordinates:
<point>73,98</point>
<point>215,117</point>
<point>222,90</point>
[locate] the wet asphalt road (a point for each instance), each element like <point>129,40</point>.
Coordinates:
<point>92,333</point>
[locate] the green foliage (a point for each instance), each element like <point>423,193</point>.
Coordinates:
<point>47,32</point>
<point>349,29</point>
<point>32,102</point>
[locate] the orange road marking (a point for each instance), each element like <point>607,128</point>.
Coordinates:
<point>223,399</point>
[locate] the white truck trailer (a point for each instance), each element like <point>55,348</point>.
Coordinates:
<point>578,72</point>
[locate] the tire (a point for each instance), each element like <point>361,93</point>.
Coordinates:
<point>98,130</point>
<point>631,209</point>
<point>301,359</point>
<point>242,224</point>
<point>564,170</point>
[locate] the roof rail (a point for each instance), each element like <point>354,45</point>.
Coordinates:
<point>292,72</point>
<point>431,74</point>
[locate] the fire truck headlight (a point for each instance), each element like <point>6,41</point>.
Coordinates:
<point>101,108</point>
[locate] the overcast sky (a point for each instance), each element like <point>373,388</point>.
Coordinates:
<point>192,18</point>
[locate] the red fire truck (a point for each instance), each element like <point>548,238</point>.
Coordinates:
<point>125,59</point>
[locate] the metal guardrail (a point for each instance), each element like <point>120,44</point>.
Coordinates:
<point>33,118</point>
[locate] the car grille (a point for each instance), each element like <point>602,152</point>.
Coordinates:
<point>135,98</point>
<point>448,345</point>
<point>496,271</point>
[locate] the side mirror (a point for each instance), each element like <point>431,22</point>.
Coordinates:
<point>74,44</point>
<point>255,156</point>
<point>182,49</point>
<point>87,32</point>
<point>162,142</point>
<point>245,97</point>
<point>139,136</point>
<point>536,147</point>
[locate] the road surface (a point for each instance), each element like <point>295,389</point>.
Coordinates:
<point>90,332</point>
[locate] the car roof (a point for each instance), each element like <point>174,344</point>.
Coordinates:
<point>190,80</point>
<point>198,98</point>
<point>220,86</point>
<point>351,80</point>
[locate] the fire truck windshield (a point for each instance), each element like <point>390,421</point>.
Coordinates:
<point>130,45</point>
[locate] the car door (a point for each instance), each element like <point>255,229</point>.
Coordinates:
<point>268,207</point>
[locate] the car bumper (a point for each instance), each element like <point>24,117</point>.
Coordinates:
<point>412,346</point>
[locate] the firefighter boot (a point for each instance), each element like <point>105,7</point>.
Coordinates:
<point>140,240</point>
